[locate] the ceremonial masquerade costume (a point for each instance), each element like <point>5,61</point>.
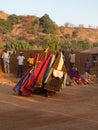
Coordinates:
<point>49,74</point>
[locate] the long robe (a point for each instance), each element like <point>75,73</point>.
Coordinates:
<point>43,71</point>
<point>41,65</point>
<point>57,74</point>
<point>23,80</point>
<point>48,70</point>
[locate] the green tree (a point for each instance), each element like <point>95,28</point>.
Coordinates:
<point>47,25</point>
<point>95,44</point>
<point>13,19</point>
<point>75,45</point>
<point>18,44</point>
<point>21,44</point>
<point>53,43</point>
<point>5,26</point>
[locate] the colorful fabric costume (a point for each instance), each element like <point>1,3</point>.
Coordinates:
<point>49,74</point>
<point>57,74</point>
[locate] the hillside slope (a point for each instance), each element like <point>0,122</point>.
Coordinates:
<point>28,28</point>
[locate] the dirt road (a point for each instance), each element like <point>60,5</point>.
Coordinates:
<point>73,108</point>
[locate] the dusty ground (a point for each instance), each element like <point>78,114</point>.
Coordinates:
<point>73,108</point>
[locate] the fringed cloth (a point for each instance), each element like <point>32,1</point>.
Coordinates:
<point>58,71</point>
<point>42,72</point>
<point>32,82</point>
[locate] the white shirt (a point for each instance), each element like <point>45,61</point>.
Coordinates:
<point>5,55</point>
<point>20,60</point>
<point>72,58</point>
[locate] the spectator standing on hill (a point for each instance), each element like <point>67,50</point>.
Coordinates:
<point>72,58</point>
<point>6,61</point>
<point>20,59</point>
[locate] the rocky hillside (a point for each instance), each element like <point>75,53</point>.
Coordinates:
<point>32,29</point>
<point>89,34</point>
<point>3,15</point>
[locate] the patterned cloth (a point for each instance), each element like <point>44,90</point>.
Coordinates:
<point>55,82</point>
<point>50,72</point>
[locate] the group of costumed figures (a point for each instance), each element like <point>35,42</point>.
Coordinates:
<point>47,75</point>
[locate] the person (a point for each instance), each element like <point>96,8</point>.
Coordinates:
<point>14,53</point>
<point>6,61</point>
<point>30,61</point>
<point>95,60</point>
<point>74,72</point>
<point>75,76</point>
<point>67,64</point>
<point>88,66</point>
<point>72,58</point>
<point>20,59</point>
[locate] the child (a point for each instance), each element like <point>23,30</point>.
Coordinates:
<point>30,60</point>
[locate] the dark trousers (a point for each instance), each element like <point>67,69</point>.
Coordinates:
<point>20,71</point>
<point>72,64</point>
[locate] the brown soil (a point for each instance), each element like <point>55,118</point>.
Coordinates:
<point>73,108</point>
